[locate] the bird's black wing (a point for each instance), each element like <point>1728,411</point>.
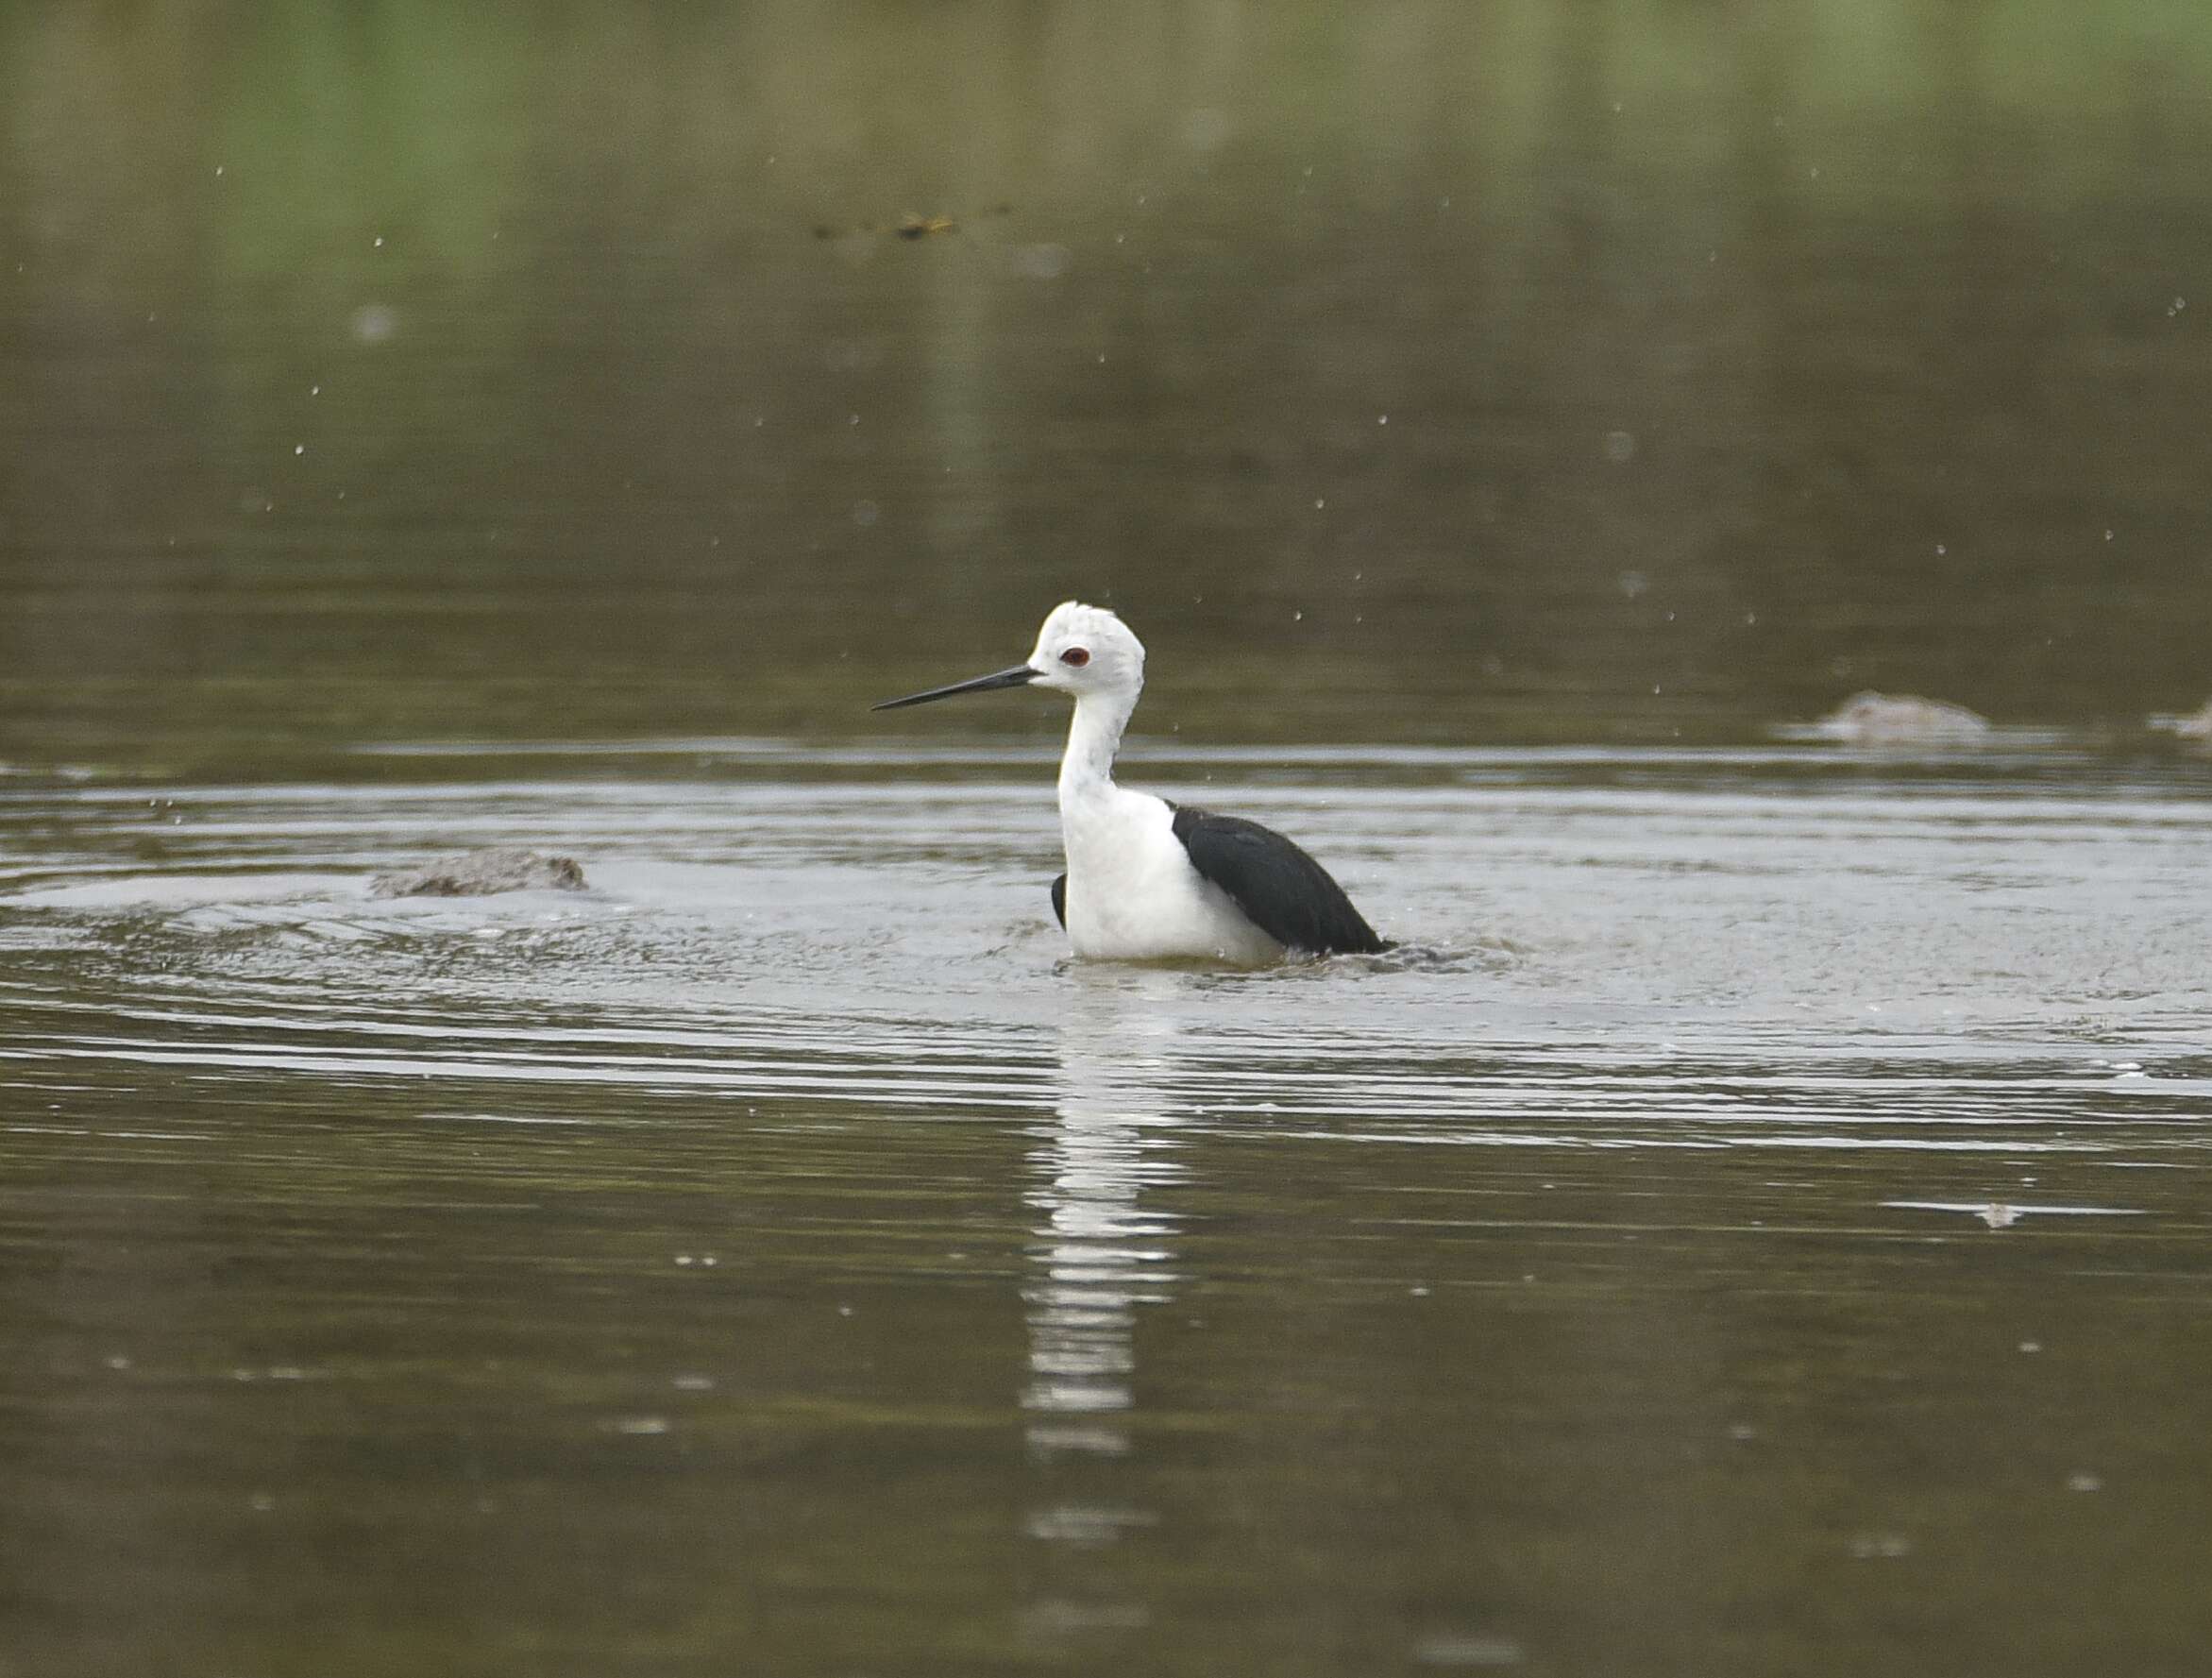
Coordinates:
<point>1288,895</point>
<point>1060,902</point>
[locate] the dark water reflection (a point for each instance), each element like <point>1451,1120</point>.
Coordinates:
<point>1758,1227</point>
<point>1448,372</point>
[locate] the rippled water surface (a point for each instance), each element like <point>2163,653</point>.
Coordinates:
<point>1759,1221</point>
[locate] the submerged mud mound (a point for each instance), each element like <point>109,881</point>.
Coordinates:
<point>481,874</point>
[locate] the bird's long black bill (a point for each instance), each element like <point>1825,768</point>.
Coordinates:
<point>1021,675</point>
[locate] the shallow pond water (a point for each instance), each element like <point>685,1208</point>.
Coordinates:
<point>1760,1223</point>
<point>1757,1222</point>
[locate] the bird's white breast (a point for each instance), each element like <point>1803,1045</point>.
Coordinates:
<point>1132,894</point>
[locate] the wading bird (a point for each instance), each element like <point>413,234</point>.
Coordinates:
<point>1149,880</point>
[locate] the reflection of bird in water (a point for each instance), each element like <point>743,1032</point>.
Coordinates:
<point>1101,1253</point>
<point>1147,879</point>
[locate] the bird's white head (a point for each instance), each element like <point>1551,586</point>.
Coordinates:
<point>1083,649</point>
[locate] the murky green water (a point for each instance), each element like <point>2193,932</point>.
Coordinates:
<point>1760,1225</point>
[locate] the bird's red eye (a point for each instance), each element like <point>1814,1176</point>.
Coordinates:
<point>1076,656</point>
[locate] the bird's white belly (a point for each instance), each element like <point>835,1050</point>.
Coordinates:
<point>1133,895</point>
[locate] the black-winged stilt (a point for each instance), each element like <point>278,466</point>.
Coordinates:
<point>1149,880</point>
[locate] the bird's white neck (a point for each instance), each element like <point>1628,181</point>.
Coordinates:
<point>1093,738</point>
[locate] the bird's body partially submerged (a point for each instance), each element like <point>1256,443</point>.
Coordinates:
<point>1147,880</point>
<point>1132,894</point>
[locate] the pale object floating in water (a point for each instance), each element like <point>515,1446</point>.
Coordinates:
<point>1901,719</point>
<point>479,873</point>
<point>2002,1215</point>
<point>2197,725</point>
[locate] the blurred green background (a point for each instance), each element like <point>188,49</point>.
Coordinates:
<point>1426,371</point>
